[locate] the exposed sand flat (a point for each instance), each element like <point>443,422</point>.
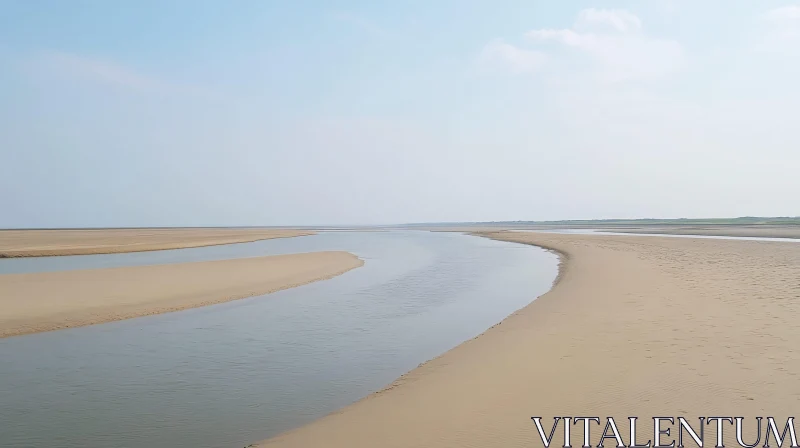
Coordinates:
<point>759,231</point>
<point>52,300</point>
<point>40,243</point>
<point>762,231</point>
<point>635,326</point>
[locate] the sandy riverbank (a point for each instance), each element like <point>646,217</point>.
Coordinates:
<point>40,243</point>
<point>46,301</point>
<point>636,326</point>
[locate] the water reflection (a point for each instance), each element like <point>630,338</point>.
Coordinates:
<point>230,374</point>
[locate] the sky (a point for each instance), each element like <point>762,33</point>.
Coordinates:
<point>341,112</point>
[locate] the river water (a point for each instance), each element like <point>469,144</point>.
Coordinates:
<point>231,374</point>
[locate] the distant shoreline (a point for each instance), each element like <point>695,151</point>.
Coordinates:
<point>44,243</point>
<point>635,222</point>
<point>733,230</point>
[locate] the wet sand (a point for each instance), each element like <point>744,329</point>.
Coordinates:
<point>761,231</point>
<point>754,231</point>
<point>46,301</point>
<point>634,326</point>
<point>41,243</point>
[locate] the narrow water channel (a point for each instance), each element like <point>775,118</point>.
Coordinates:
<point>228,375</point>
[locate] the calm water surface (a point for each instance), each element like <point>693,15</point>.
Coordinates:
<point>278,246</point>
<point>231,374</point>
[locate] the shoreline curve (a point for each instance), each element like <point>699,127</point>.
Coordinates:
<point>48,301</point>
<point>616,335</point>
<point>415,374</point>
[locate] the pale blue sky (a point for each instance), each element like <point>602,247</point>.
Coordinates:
<point>127,113</point>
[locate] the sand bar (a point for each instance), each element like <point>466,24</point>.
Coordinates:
<point>636,326</point>
<point>46,301</point>
<point>41,243</point>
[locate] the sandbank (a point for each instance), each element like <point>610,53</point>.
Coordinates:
<point>47,242</point>
<point>635,326</point>
<point>46,301</point>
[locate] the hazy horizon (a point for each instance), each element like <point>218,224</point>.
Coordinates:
<point>400,224</point>
<point>310,113</point>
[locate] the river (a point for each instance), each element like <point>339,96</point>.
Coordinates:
<point>231,374</point>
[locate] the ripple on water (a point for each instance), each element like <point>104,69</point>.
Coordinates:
<point>230,374</point>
